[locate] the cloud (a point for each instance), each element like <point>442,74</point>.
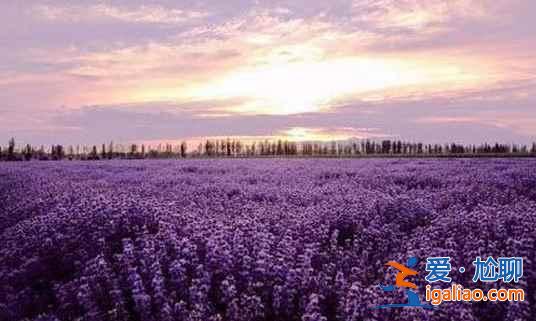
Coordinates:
<point>323,134</point>
<point>417,15</point>
<point>311,67</point>
<point>520,123</point>
<point>138,14</point>
<point>434,120</point>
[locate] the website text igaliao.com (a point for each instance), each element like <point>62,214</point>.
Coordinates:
<point>456,293</point>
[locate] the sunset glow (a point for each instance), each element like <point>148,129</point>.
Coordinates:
<point>310,87</point>
<point>177,69</point>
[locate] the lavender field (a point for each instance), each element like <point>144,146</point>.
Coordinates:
<point>264,239</point>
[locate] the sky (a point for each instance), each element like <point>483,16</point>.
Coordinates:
<point>88,72</point>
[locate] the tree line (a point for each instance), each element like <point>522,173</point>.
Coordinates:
<point>266,148</point>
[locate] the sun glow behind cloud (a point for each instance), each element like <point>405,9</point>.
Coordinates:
<point>300,134</point>
<point>294,134</point>
<point>269,64</point>
<point>283,88</point>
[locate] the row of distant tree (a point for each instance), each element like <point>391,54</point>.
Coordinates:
<point>237,148</point>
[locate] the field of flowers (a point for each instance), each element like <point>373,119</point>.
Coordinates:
<point>252,240</point>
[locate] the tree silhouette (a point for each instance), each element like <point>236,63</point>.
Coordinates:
<point>275,148</point>
<point>94,155</point>
<point>11,149</point>
<point>111,150</point>
<point>184,149</point>
<point>28,152</point>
